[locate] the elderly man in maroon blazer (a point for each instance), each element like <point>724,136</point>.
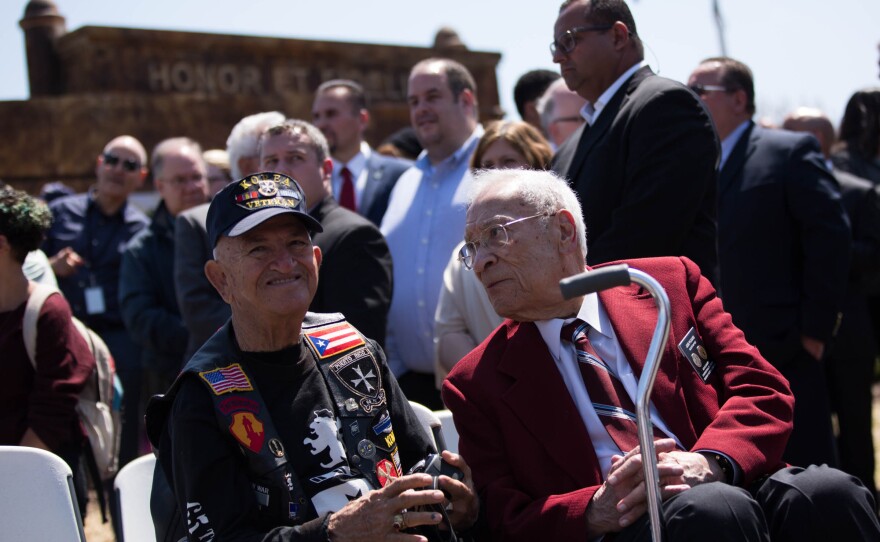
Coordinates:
<point>553,452</point>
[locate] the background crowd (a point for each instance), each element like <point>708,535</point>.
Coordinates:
<point>785,222</point>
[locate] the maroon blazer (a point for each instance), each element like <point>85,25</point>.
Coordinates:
<point>532,460</point>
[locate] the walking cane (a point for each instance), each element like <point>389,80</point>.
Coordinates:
<point>621,275</point>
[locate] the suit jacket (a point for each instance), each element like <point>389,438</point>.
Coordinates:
<point>532,460</point>
<point>356,275</point>
<point>382,174</point>
<point>202,308</point>
<point>855,163</point>
<point>861,200</point>
<point>645,174</point>
<point>783,241</point>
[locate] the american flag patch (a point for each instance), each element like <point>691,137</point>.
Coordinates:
<point>334,339</point>
<point>227,379</point>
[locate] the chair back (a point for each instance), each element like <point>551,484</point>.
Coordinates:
<point>450,433</point>
<point>430,423</point>
<point>37,500</point>
<point>132,490</point>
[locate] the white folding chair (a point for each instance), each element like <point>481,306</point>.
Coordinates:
<point>430,423</point>
<point>132,487</point>
<point>450,433</point>
<point>37,500</point>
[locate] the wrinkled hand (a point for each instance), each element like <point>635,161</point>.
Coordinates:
<point>66,262</point>
<point>622,499</point>
<point>465,504</point>
<point>371,517</point>
<point>697,468</point>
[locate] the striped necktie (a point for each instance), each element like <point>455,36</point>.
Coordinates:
<point>610,400</point>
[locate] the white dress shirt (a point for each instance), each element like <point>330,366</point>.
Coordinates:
<point>604,341</point>
<point>591,111</point>
<point>358,168</point>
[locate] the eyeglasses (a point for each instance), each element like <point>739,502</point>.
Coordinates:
<point>111,160</point>
<point>493,237</point>
<point>702,90</point>
<point>567,42</point>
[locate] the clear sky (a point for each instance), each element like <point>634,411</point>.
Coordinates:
<point>803,52</point>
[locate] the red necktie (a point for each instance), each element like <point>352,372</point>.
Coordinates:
<point>609,398</point>
<point>346,194</point>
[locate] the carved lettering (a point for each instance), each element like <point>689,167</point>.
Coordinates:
<point>290,79</point>
<point>227,79</point>
<point>250,80</point>
<point>205,78</point>
<point>182,76</point>
<point>158,77</point>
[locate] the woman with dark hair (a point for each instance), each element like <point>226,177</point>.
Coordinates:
<point>464,314</point>
<point>858,150</point>
<point>38,399</point>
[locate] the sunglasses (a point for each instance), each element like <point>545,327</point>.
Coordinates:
<point>111,160</point>
<point>702,90</point>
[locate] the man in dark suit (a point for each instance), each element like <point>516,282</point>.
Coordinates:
<point>548,451</point>
<point>783,247</point>
<point>355,275</point>
<point>849,364</point>
<point>644,162</point>
<point>362,178</point>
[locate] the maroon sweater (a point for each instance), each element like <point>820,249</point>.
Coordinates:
<point>45,399</point>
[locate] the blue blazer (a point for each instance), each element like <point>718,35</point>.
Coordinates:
<point>382,174</point>
<point>783,241</point>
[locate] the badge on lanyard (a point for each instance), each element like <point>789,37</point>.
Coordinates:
<point>94,295</point>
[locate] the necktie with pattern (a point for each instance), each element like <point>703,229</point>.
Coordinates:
<point>609,398</point>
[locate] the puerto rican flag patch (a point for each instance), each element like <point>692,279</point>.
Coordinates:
<point>333,339</point>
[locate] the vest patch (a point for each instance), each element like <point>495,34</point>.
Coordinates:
<point>248,430</point>
<point>333,339</point>
<point>227,379</point>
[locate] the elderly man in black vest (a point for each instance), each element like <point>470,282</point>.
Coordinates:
<point>288,425</point>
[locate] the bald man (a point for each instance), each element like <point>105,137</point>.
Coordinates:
<point>85,245</point>
<point>849,367</point>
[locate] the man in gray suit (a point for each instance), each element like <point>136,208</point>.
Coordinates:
<point>362,178</point>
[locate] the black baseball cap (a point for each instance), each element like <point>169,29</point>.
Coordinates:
<point>244,205</point>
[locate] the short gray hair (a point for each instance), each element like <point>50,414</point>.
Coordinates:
<point>244,138</point>
<point>545,191</point>
<point>547,103</point>
<point>298,127</point>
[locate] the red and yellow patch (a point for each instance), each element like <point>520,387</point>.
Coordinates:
<point>248,430</point>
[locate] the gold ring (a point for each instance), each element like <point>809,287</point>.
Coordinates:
<point>399,522</point>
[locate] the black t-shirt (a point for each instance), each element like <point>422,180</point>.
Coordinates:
<point>209,470</point>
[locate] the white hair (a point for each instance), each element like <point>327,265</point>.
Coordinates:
<point>243,138</point>
<point>547,103</point>
<point>545,191</point>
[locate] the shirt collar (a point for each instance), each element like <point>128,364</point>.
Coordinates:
<point>589,312</point>
<point>730,142</point>
<point>591,112</point>
<point>357,163</point>
<point>462,153</point>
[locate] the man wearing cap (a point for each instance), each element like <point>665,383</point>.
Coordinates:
<point>288,425</point>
